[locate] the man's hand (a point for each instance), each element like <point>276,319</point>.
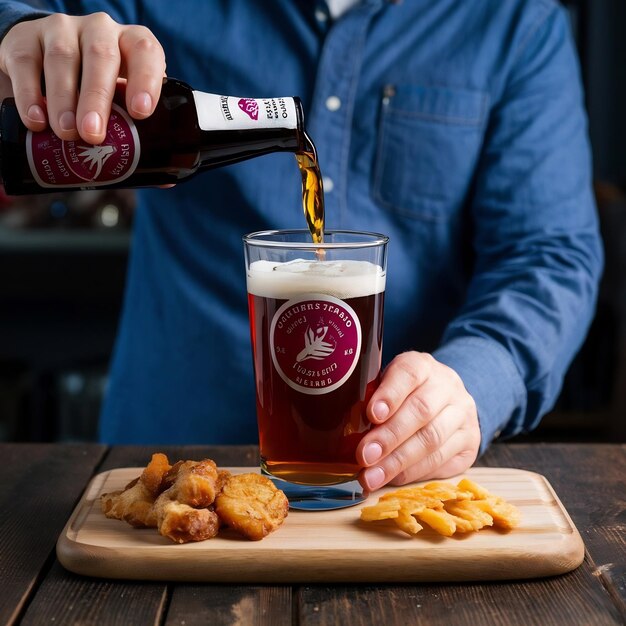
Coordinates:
<point>426,424</point>
<point>80,54</point>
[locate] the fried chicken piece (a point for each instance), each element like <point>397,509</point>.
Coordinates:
<point>181,510</point>
<point>222,479</point>
<point>154,475</point>
<point>182,523</point>
<point>252,505</point>
<point>180,500</point>
<point>134,503</point>
<point>196,483</point>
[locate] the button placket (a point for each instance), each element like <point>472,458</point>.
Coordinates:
<point>330,119</point>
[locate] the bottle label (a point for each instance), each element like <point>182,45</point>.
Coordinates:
<point>315,342</point>
<point>232,113</point>
<point>57,163</point>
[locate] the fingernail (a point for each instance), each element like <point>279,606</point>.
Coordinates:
<point>92,123</point>
<point>36,114</point>
<point>141,103</point>
<point>374,477</point>
<point>372,452</point>
<point>67,120</point>
<point>380,410</point>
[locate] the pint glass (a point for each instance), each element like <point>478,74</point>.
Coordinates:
<point>316,325</point>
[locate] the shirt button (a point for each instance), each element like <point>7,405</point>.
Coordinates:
<point>328,183</point>
<point>333,103</point>
<point>320,16</point>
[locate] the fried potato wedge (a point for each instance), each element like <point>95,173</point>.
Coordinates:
<point>444,507</point>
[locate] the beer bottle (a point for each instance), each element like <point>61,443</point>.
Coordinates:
<point>189,131</point>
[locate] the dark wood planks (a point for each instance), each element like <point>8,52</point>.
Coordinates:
<point>39,487</point>
<point>589,479</point>
<point>574,598</point>
<point>223,605</point>
<point>593,594</point>
<point>65,597</point>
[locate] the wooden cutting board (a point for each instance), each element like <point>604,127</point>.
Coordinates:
<point>331,546</point>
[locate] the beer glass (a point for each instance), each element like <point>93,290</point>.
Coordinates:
<point>316,326</point>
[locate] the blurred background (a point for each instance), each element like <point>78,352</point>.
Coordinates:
<point>63,262</point>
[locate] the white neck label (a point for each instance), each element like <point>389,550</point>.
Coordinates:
<point>231,113</point>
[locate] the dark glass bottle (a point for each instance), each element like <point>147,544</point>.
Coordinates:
<point>190,131</point>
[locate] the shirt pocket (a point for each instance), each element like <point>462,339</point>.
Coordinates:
<point>428,145</point>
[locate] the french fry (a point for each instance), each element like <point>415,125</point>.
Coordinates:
<point>408,523</point>
<point>468,510</point>
<point>447,509</point>
<point>504,515</point>
<point>440,521</point>
<point>380,511</point>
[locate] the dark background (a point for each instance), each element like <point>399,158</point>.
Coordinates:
<point>63,262</point>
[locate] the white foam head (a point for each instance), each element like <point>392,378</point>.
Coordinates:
<point>341,279</point>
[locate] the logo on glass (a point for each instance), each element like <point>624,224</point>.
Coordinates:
<point>315,341</point>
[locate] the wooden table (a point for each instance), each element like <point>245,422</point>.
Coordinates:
<point>41,483</point>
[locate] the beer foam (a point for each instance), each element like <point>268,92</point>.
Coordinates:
<point>341,279</point>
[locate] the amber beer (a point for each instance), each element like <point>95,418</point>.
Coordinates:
<point>316,329</point>
<point>312,189</point>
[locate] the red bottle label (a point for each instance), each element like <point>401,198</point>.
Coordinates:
<point>316,342</point>
<point>57,163</point>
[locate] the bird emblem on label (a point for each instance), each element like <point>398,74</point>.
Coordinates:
<point>315,342</point>
<point>56,163</point>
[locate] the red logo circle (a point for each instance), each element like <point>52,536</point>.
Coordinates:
<point>57,163</point>
<point>316,341</point>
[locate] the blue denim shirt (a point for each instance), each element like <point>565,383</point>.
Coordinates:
<point>457,128</point>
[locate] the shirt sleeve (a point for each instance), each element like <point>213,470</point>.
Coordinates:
<point>538,253</point>
<point>13,12</point>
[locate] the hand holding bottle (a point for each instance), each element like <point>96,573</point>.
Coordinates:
<point>81,59</point>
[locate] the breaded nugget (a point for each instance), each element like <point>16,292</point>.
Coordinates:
<point>252,505</point>
<point>196,483</point>
<point>181,510</point>
<point>152,477</point>
<point>134,503</point>
<point>180,501</point>
<point>182,523</point>
<point>222,478</point>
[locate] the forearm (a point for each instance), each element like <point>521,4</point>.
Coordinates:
<point>524,320</point>
<point>538,248</point>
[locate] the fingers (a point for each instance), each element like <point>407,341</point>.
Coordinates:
<point>403,375</point>
<point>101,66</point>
<point>21,59</point>
<point>61,66</point>
<point>454,466</point>
<point>412,418</point>
<point>81,59</point>
<point>428,419</point>
<point>144,68</point>
<point>452,458</point>
<point>423,451</point>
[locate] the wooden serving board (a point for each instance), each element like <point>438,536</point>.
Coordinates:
<point>331,546</point>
